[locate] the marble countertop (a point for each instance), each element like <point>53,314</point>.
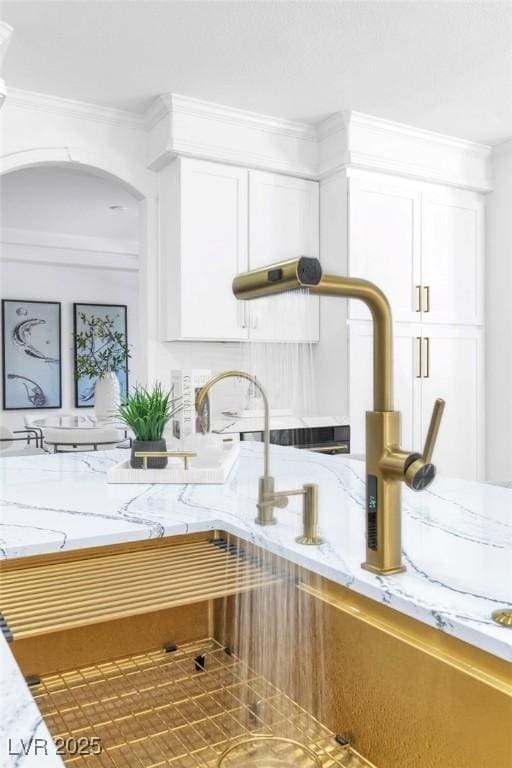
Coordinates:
<point>457,537</point>
<point>24,738</point>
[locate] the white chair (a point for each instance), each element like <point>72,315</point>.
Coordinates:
<point>94,439</point>
<point>27,444</point>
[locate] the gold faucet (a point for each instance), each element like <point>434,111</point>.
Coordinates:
<point>268,498</point>
<point>387,465</point>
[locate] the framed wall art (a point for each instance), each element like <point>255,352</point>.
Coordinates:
<point>101,341</point>
<point>31,359</point>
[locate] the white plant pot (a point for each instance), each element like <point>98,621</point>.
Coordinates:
<point>107,397</point>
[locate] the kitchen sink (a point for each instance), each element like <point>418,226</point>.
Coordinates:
<point>172,651</point>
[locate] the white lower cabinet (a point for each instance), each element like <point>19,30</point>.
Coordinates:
<point>407,392</point>
<point>430,361</point>
<point>453,368</point>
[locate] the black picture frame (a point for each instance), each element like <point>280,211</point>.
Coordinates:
<point>80,306</point>
<point>33,359</point>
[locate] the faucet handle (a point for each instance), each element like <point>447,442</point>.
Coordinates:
<point>433,429</point>
<point>419,470</point>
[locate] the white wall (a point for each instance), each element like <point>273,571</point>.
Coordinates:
<point>499,319</point>
<point>287,371</point>
<point>32,268</point>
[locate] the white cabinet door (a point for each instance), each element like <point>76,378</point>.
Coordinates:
<point>384,243</point>
<point>452,256</point>
<point>283,224</point>
<point>452,368</point>
<point>213,209</point>
<point>406,378</point>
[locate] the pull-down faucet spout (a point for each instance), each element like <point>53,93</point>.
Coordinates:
<point>387,465</point>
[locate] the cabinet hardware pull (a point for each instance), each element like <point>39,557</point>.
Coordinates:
<point>418,298</point>
<point>427,353</point>
<point>419,355</point>
<point>241,314</point>
<point>427,298</point>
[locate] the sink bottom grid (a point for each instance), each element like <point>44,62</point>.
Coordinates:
<point>178,708</point>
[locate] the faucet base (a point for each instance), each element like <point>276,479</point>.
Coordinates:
<point>383,493</point>
<point>272,521</point>
<point>383,571</point>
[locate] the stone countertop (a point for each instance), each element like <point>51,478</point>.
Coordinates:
<point>24,738</point>
<point>457,538</point>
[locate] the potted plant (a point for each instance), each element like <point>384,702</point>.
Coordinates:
<point>146,412</point>
<point>102,351</point>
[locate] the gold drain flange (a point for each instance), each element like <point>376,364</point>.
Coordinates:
<point>503,616</point>
<point>284,753</point>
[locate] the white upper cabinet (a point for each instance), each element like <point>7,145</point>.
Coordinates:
<point>452,256</point>
<point>217,221</point>
<point>203,222</point>
<point>422,244</point>
<point>384,243</point>
<point>283,224</point>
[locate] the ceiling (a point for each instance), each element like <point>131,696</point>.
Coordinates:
<point>52,199</point>
<point>444,66</point>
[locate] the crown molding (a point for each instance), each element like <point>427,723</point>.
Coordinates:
<point>353,139</point>
<point>418,171</point>
<point>332,125</point>
<point>180,125</point>
<point>252,160</point>
<point>77,109</point>
<point>157,111</point>
<point>67,241</point>
<point>60,249</point>
<point>380,125</point>
<point>185,105</point>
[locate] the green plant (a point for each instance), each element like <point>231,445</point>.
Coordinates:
<point>101,349</point>
<point>146,412</point>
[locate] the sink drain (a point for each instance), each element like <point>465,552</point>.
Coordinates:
<point>268,752</point>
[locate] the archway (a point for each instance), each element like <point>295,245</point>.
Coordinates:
<point>69,157</point>
<point>65,160</point>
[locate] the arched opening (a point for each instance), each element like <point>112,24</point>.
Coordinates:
<point>70,235</point>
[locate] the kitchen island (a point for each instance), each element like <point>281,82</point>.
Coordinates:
<point>457,539</point>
